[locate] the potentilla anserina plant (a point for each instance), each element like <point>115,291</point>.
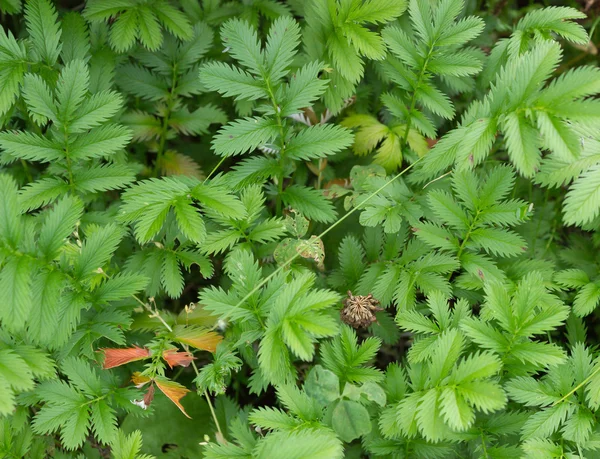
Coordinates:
<point>299,229</point>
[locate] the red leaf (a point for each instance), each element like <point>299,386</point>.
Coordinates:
<point>116,357</point>
<point>173,390</point>
<point>174,358</point>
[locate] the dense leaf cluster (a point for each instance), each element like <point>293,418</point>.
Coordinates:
<point>299,229</point>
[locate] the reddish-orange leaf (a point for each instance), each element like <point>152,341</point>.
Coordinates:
<point>149,395</point>
<point>173,390</point>
<point>198,338</point>
<point>139,379</point>
<point>116,357</point>
<point>174,358</point>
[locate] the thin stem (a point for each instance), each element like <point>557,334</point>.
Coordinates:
<point>214,169</point>
<point>579,386</point>
<point>437,178</point>
<point>413,101</point>
<point>466,239</point>
<point>327,230</point>
<point>208,400</point>
<point>320,176</point>
<point>483,446</point>
<point>165,123</point>
<point>211,407</point>
<point>154,313</point>
<point>162,142</point>
<point>280,177</point>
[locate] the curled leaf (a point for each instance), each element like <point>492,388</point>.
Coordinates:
<point>174,358</point>
<point>114,357</point>
<point>149,395</point>
<point>173,390</point>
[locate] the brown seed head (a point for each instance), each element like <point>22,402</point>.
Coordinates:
<point>359,311</point>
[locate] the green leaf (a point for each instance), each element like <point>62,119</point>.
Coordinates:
<point>29,146</point>
<point>75,37</point>
<point>104,421</point>
<point>95,110</point>
<point>310,202</point>
<point>522,140</point>
<point>39,99</point>
<point>119,287</point>
<point>148,28</point>
<point>244,135</point>
<point>219,199</point>
<point>318,142</point>
<point>12,70</point>
<point>316,444</point>
<point>189,220</point>
<point>436,236</point>
<point>586,300</point>
<point>15,296</point>
<point>545,423</point>
<point>322,385</point>
<point>96,250</point>
<point>103,178</point>
<point>231,81</point>
<point>304,89</point>
<point>10,223</point>
<point>44,30</point>
<point>582,202</point>
<point>104,141</point>
<point>350,420</point>
<point>499,242</point>
<point>173,20</point>
<point>58,225</point>
<point>124,30</point>
<point>243,45</point>
<point>71,89</point>
<point>282,41</point>
<point>171,277</point>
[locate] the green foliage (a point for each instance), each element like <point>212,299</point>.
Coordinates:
<point>299,229</point>
<point>263,78</point>
<point>338,32</point>
<point>143,21</point>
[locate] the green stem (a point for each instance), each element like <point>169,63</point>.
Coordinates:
<point>214,169</point>
<point>280,177</point>
<point>69,170</point>
<point>164,131</point>
<point>466,238</point>
<point>579,386</point>
<point>209,402</point>
<point>212,411</point>
<point>483,446</point>
<point>413,101</point>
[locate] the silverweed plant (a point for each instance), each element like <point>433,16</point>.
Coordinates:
<point>315,229</point>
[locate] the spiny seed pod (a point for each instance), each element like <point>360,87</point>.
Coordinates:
<point>359,311</point>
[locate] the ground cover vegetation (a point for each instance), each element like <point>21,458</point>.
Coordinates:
<point>299,229</point>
